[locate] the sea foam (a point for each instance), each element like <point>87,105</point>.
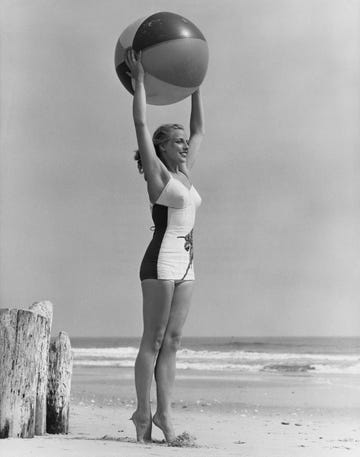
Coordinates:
<point>227,361</point>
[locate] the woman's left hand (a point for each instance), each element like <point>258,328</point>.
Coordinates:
<point>134,64</point>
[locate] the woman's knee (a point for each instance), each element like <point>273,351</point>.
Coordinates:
<point>172,341</point>
<point>154,341</point>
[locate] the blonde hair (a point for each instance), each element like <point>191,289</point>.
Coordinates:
<point>160,136</point>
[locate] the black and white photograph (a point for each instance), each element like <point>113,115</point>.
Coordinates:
<point>179,228</point>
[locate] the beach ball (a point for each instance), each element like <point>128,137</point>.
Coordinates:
<point>174,56</point>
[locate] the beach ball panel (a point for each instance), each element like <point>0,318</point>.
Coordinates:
<point>121,67</point>
<point>161,93</point>
<point>127,37</point>
<point>164,26</point>
<point>178,62</point>
<point>121,71</point>
<point>119,53</point>
<point>125,41</point>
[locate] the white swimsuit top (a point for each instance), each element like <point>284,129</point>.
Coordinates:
<point>176,195</point>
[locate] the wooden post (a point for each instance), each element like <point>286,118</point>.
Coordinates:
<point>8,320</point>
<point>44,308</point>
<point>59,385</point>
<point>22,333</point>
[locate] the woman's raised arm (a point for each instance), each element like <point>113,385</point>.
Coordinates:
<point>155,171</point>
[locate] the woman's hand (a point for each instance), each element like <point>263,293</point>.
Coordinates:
<point>134,64</point>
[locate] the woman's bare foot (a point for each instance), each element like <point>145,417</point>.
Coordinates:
<point>143,427</point>
<point>164,423</point>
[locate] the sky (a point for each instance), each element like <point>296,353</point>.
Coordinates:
<point>276,241</point>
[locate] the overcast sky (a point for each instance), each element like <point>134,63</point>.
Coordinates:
<point>277,237</point>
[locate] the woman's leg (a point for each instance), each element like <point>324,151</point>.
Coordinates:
<point>157,298</point>
<point>166,361</point>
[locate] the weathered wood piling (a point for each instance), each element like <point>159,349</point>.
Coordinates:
<point>59,385</point>
<point>43,308</point>
<point>24,345</point>
<point>34,382</point>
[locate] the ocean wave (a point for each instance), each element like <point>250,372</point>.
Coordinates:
<point>189,354</point>
<point>289,368</point>
<point>179,365</point>
<point>348,369</point>
<point>105,352</point>
<point>228,361</point>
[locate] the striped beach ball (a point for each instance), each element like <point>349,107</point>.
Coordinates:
<point>174,56</point>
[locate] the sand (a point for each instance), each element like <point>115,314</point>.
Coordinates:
<point>250,416</point>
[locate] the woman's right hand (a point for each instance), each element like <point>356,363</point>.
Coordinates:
<point>134,64</point>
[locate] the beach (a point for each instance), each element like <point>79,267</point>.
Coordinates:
<point>226,412</point>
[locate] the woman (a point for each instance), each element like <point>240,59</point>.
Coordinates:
<point>166,273</point>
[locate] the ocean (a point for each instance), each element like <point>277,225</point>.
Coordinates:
<point>232,356</point>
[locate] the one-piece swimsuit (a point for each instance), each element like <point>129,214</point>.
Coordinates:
<point>170,253</point>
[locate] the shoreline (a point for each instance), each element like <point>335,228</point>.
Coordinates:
<point>226,392</point>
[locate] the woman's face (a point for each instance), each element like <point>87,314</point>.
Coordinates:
<point>176,148</point>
